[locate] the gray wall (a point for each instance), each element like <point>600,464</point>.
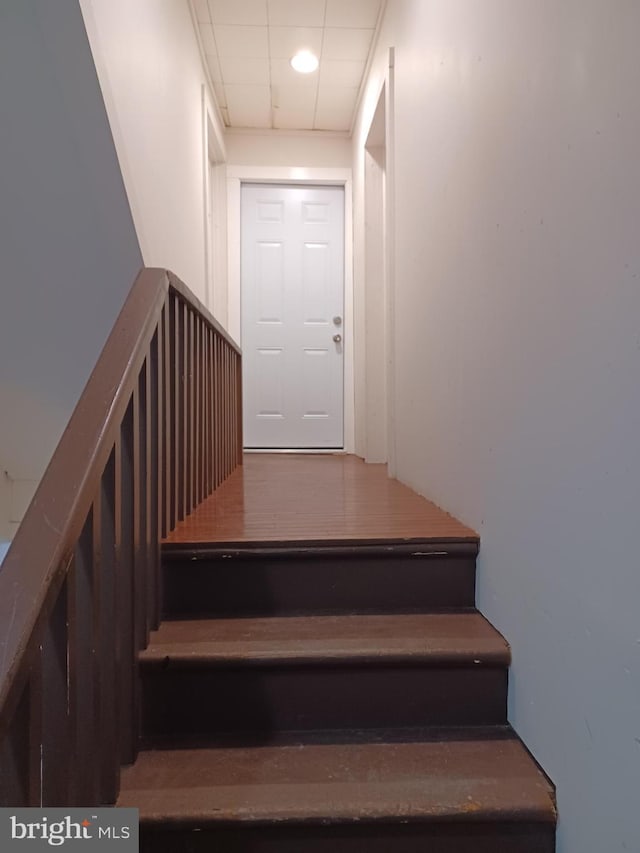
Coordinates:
<point>517,129</point>
<point>67,242</point>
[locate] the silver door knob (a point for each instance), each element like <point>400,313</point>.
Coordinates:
<point>337,321</point>
<point>337,338</point>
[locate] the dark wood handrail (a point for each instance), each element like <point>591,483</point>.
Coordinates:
<point>157,429</point>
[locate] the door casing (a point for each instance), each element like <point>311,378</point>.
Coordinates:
<point>238,175</point>
<point>292,307</point>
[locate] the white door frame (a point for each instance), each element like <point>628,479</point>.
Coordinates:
<point>377,422</point>
<point>237,175</point>
<point>375,289</point>
<point>214,205</point>
<point>390,259</point>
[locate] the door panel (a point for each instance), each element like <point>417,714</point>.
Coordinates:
<point>292,293</point>
<point>269,284</point>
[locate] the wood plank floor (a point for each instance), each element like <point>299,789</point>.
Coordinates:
<point>289,497</point>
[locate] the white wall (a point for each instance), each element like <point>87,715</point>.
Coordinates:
<point>152,77</point>
<point>5,507</point>
<point>68,247</point>
<point>288,148</point>
<point>517,132</point>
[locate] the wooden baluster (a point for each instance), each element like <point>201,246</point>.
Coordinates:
<point>194,409</point>
<point>205,410</point>
<point>232,412</point>
<point>182,409</point>
<point>185,410</point>
<point>140,508</point>
<point>206,388</point>
<point>82,661</point>
<point>127,664</point>
<point>107,747</point>
<point>199,464</point>
<point>212,407</point>
<point>163,469</point>
<point>214,430</point>
<point>35,730</point>
<point>155,468</point>
<point>57,746</point>
<point>195,404</point>
<point>15,758</point>
<point>178,356</point>
<point>238,401</point>
<point>190,418</point>
<point>231,415</point>
<point>172,386</point>
<point>151,497</point>
<point>232,404</point>
<point>206,414</point>
<point>210,410</point>
<point>212,414</point>
<point>227,412</point>
<point>223,411</point>
<point>219,391</point>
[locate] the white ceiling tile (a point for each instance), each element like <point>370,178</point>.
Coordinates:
<point>249,106</point>
<point>352,13</point>
<point>345,44</point>
<point>208,41</point>
<point>233,12</point>
<point>337,97</point>
<point>282,74</point>
<point>241,41</point>
<point>284,42</point>
<point>340,72</point>
<point>296,98</point>
<point>202,11</point>
<point>214,68</point>
<point>293,119</point>
<point>254,83</point>
<point>296,13</point>
<point>221,97</point>
<point>247,71</point>
<point>330,118</point>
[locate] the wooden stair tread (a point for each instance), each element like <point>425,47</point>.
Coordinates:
<point>320,497</point>
<point>464,638</point>
<point>469,780</point>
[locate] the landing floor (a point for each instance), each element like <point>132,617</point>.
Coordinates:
<point>289,497</point>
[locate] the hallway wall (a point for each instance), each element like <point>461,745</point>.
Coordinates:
<point>152,78</point>
<point>67,242</point>
<point>6,532</point>
<point>287,148</point>
<point>517,131</point>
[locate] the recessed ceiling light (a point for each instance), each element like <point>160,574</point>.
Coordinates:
<point>304,61</point>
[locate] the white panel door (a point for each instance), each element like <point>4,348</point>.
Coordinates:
<point>292,316</point>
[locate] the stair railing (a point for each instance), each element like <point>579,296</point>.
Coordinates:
<point>156,430</point>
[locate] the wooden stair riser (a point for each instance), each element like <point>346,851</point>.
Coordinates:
<point>211,700</point>
<point>281,585</point>
<point>334,734</point>
<point>466,837</point>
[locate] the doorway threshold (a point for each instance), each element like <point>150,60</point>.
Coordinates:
<point>327,451</point>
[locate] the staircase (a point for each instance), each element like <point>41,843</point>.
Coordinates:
<point>314,697</point>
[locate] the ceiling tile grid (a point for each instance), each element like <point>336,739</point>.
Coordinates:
<point>248,45</point>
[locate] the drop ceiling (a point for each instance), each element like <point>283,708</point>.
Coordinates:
<point>248,45</point>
